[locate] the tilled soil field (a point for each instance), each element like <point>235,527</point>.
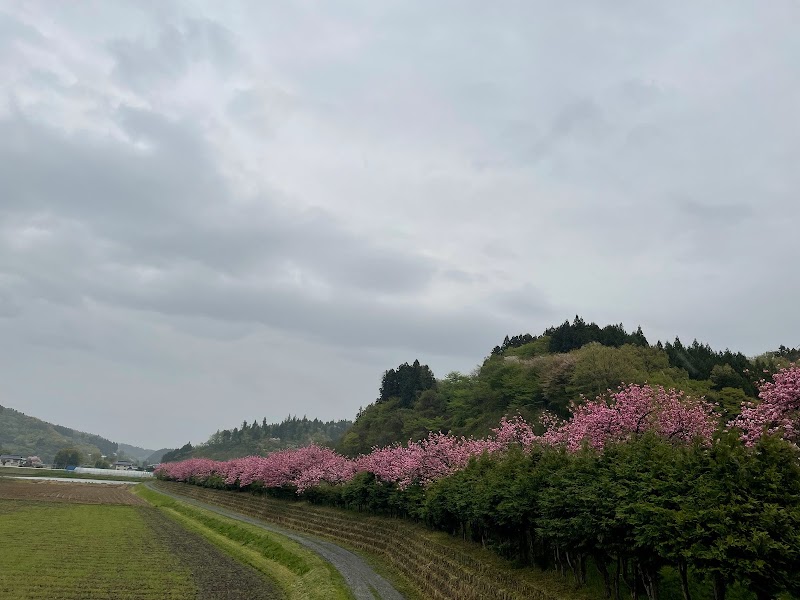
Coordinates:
<point>57,491</point>
<point>216,575</point>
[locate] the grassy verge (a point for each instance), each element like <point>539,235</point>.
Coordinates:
<point>423,564</point>
<point>299,573</point>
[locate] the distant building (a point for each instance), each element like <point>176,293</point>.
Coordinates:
<point>124,465</point>
<point>11,460</point>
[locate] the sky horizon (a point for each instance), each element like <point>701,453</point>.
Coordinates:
<point>213,213</point>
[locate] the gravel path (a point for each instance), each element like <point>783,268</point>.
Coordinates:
<point>365,583</point>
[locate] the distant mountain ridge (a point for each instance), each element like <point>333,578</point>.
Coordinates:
<point>29,436</point>
<point>135,452</point>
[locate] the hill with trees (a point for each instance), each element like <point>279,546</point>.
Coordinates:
<point>529,374</point>
<point>258,439</point>
<point>21,434</point>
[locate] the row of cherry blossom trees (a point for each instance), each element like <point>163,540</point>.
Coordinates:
<point>636,481</point>
<point>617,416</point>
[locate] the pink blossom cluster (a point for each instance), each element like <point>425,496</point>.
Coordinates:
<point>440,455</point>
<point>301,468</point>
<point>437,456</point>
<point>421,462</point>
<point>632,410</point>
<point>777,412</point>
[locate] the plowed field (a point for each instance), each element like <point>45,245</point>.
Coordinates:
<point>57,491</point>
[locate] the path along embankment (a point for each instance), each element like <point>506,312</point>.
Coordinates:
<point>436,571</point>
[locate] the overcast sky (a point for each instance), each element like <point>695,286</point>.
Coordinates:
<point>217,212</point>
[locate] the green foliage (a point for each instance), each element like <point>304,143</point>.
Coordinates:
<point>599,368</point>
<point>539,347</point>
<point>572,336</point>
<point>529,374</point>
<point>255,438</point>
<point>29,436</point>
<point>406,383</point>
<point>67,457</point>
<point>645,515</point>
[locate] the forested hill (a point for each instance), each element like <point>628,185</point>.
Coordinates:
<point>527,374</point>
<point>259,439</point>
<point>29,436</point>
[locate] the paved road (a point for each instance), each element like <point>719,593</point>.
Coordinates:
<point>365,583</point>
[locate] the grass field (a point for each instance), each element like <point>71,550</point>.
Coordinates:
<point>85,551</point>
<point>67,549</point>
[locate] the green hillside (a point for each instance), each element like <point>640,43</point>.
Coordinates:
<point>134,452</point>
<point>527,374</point>
<point>259,439</point>
<point>29,436</point>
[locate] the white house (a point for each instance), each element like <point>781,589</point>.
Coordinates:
<point>124,465</point>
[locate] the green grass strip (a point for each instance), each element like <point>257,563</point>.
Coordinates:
<point>300,573</point>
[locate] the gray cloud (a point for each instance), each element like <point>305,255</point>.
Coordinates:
<point>151,230</point>
<point>272,205</point>
<point>142,64</point>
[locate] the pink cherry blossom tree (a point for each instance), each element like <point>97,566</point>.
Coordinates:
<point>633,410</point>
<point>778,411</point>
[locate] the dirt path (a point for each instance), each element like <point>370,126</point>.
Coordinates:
<point>362,580</point>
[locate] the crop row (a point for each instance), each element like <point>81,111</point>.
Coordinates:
<point>82,551</point>
<point>435,570</point>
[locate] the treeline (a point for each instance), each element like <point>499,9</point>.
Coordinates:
<point>642,492</point>
<point>571,336</point>
<point>260,438</point>
<point>406,383</point>
<point>644,518</point>
<point>528,374</point>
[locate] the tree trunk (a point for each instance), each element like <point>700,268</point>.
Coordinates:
<point>631,577</point>
<point>650,581</point>
<point>720,588</point>
<point>602,566</point>
<point>683,570</point>
<point>617,576</point>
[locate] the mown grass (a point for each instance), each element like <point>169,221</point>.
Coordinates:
<point>299,573</point>
<point>77,551</point>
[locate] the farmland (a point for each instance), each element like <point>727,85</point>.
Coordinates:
<point>81,493</point>
<point>62,474</point>
<point>426,564</point>
<point>70,540</point>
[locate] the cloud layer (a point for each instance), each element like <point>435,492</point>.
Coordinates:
<point>209,215</point>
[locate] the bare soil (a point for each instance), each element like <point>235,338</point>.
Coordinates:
<point>68,491</point>
<point>217,575</point>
